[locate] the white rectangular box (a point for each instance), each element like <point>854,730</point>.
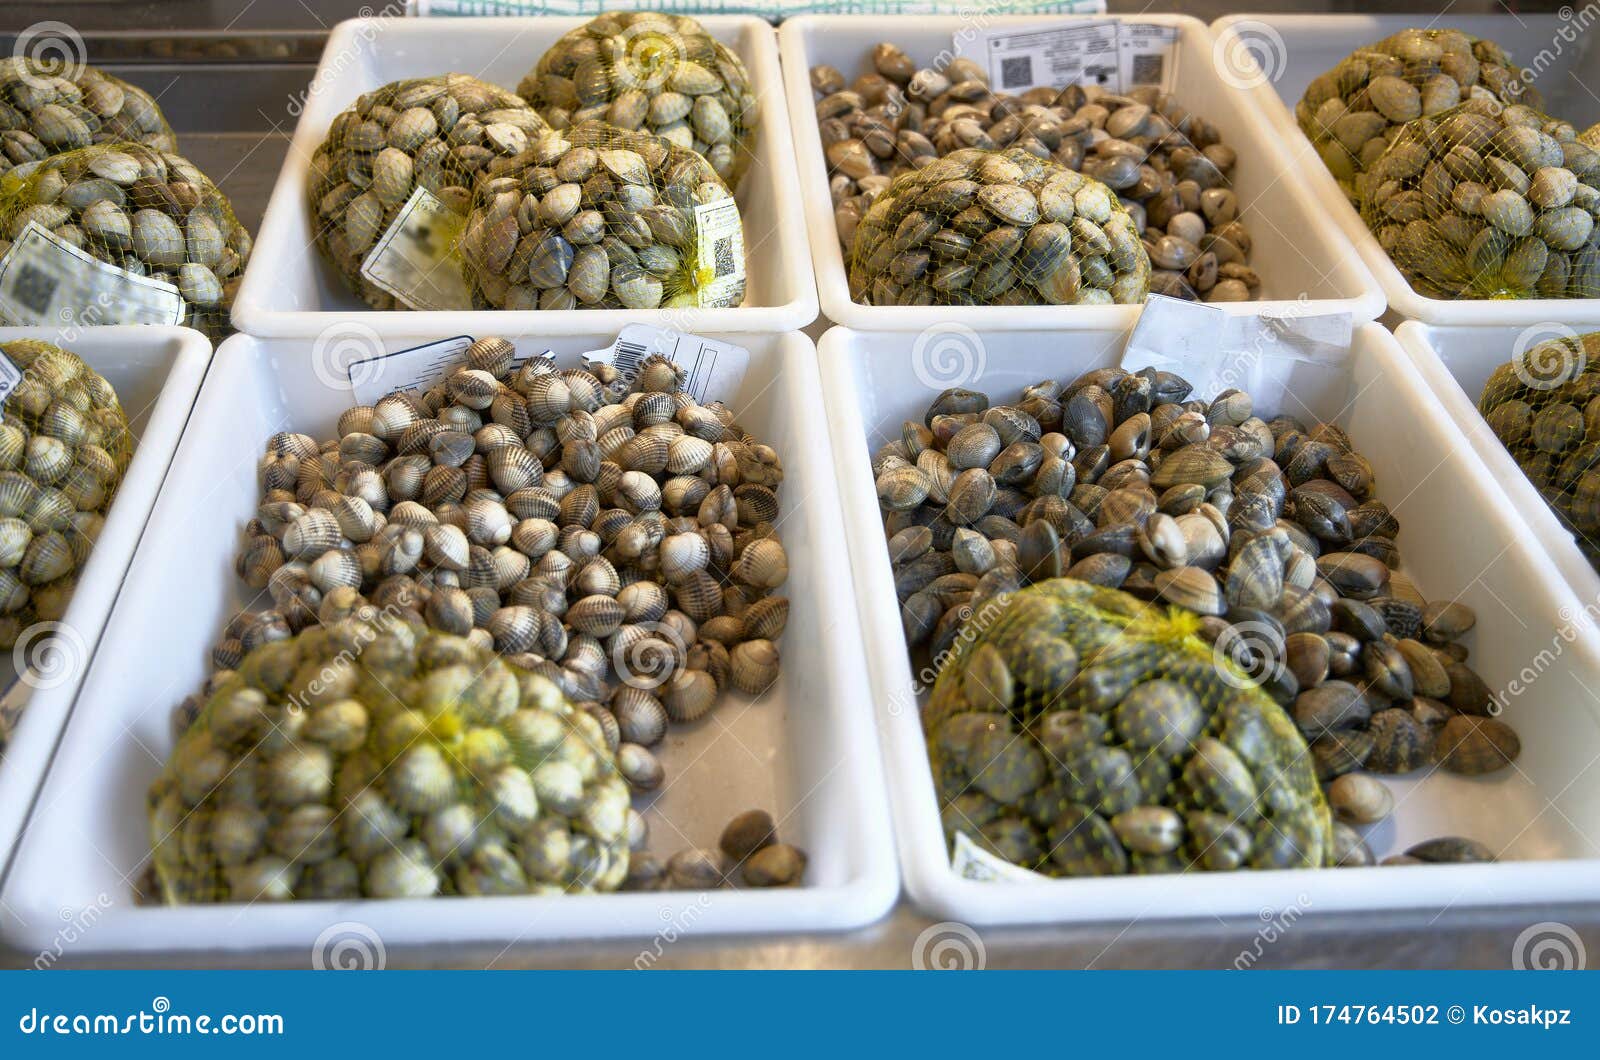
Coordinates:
<point>156,372</point>
<point>806,751</point>
<point>290,290</point>
<point>1291,50</point>
<point>1306,264</point>
<point>1457,541</point>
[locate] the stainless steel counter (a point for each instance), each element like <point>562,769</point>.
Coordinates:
<point>225,72</point>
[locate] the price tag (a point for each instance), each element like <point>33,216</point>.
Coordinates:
<point>415,259</point>
<point>719,244</point>
<point>46,280</point>
<point>714,368</point>
<point>10,376</point>
<point>1116,56</point>
<point>971,862</point>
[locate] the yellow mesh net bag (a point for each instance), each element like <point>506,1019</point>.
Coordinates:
<point>1544,406</point>
<point>440,134</point>
<point>1488,201</point>
<point>373,758</point>
<point>46,109</point>
<point>997,228</point>
<point>1078,732</point>
<point>64,445</point>
<point>1353,111</point>
<point>150,214</point>
<point>601,218</point>
<point>652,72</point>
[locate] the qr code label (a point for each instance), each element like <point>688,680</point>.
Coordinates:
<point>1148,69</point>
<point>1016,71</point>
<point>34,288</point>
<point>725,261</point>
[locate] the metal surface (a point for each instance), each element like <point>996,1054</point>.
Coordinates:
<point>228,75</point>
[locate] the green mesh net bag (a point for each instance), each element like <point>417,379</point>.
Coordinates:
<point>175,249</point>
<point>439,134</point>
<point>596,217</point>
<point>1488,201</point>
<point>653,72</point>
<point>1353,111</point>
<point>46,109</point>
<point>1078,732</point>
<point>375,758</point>
<point>997,228</point>
<point>1544,406</point>
<point>64,445</point>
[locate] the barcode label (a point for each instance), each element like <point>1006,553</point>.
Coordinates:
<point>10,376</point>
<point>1147,69</point>
<point>46,280</point>
<point>712,369</point>
<point>1115,56</point>
<point>627,358</point>
<point>1016,71</point>
<point>719,246</point>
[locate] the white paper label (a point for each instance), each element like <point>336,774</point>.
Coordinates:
<point>46,280</point>
<point>415,259</point>
<point>10,376</point>
<point>714,368</point>
<point>719,243</point>
<point>1116,56</point>
<point>971,862</point>
<point>1268,357</point>
<point>417,368</point>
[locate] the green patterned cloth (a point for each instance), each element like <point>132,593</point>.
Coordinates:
<point>776,10</point>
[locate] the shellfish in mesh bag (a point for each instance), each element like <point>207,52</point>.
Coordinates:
<point>64,445</point>
<point>46,110</point>
<point>146,211</point>
<point>997,228</point>
<point>1544,406</point>
<point>1352,112</point>
<point>1078,732</point>
<point>652,72</point>
<point>1488,201</point>
<point>599,217</point>
<point>375,758</point>
<point>439,133</point>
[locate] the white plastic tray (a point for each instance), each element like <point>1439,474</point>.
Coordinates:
<point>1293,49</point>
<point>1456,538</point>
<point>1305,262</point>
<point>156,372</point>
<point>1455,362</point>
<point>807,750</point>
<point>290,290</point>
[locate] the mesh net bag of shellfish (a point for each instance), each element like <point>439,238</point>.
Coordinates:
<point>374,758</point>
<point>430,135</point>
<point>652,72</point>
<point>1078,732</point>
<point>1544,406</point>
<point>997,228</point>
<point>599,217</point>
<point>1488,201</point>
<point>1353,112</point>
<point>64,445</point>
<point>169,234</point>
<point>45,111</point>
